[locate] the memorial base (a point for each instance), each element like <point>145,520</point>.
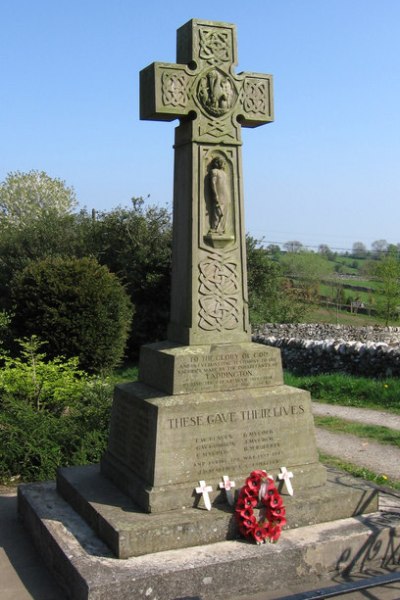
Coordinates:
<point>88,570</point>
<point>128,531</point>
<point>161,446</point>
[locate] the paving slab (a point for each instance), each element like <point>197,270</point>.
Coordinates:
<point>23,574</point>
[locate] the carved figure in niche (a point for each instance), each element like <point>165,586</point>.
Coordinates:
<point>219,195</point>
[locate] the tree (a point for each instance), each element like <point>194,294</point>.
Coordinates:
<point>273,250</point>
<point>324,250</point>
<point>378,248</point>
<point>28,196</point>
<point>50,236</point>
<point>268,298</point>
<point>135,243</point>
<point>388,272</point>
<point>52,414</point>
<point>293,246</point>
<point>359,250</point>
<point>305,270</point>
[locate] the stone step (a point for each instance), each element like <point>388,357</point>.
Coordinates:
<point>88,570</point>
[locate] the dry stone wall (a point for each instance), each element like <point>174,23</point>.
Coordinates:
<point>321,348</point>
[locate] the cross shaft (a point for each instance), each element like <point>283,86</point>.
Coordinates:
<point>209,282</point>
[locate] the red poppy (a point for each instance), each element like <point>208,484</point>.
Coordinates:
<point>259,534</point>
<point>274,533</point>
<point>245,513</point>
<point>274,513</point>
<point>245,492</point>
<point>249,522</point>
<point>250,502</point>
<point>275,500</point>
<point>258,473</point>
<point>253,483</point>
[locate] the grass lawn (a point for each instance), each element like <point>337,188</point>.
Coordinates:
<point>348,390</point>
<point>380,434</point>
<point>379,479</point>
<point>125,374</point>
<point>321,314</point>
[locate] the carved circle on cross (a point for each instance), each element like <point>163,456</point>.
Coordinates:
<point>216,92</point>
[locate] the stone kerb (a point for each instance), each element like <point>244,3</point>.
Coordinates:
<point>322,348</point>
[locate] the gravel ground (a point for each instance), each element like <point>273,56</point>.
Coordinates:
<point>359,415</point>
<point>381,459</point>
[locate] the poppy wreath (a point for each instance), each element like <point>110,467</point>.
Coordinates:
<point>260,491</point>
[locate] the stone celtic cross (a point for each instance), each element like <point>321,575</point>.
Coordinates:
<point>209,282</point>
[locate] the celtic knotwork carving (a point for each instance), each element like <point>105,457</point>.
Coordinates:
<point>218,295</point>
<point>174,88</point>
<point>255,96</point>
<point>217,128</point>
<point>214,46</point>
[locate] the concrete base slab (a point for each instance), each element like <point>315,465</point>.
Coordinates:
<point>128,531</point>
<point>87,569</point>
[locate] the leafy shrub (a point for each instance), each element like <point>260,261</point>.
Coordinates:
<point>135,243</point>
<point>5,321</point>
<point>77,306</point>
<point>51,414</point>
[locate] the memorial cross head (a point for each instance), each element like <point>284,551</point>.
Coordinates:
<point>203,87</point>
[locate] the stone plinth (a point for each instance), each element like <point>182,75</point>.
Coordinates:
<point>127,531</point>
<point>178,369</point>
<point>85,566</point>
<point>161,445</point>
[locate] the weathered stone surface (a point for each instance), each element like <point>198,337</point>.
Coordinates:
<point>129,532</point>
<point>209,275</point>
<point>160,446</point>
<point>88,571</point>
<point>220,367</point>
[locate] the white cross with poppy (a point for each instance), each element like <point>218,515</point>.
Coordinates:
<point>227,485</point>
<point>285,476</point>
<point>205,490</point>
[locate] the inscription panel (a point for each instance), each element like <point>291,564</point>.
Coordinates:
<point>259,434</point>
<point>177,440</point>
<point>228,370</point>
<point>184,370</point>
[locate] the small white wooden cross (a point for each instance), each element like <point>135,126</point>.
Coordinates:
<point>285,475</point>
<point>204,490</point>
<point>227,485</point>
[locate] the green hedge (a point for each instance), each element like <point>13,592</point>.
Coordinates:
<point>77,306</point>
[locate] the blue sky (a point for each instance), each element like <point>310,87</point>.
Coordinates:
<point>326,171</point>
